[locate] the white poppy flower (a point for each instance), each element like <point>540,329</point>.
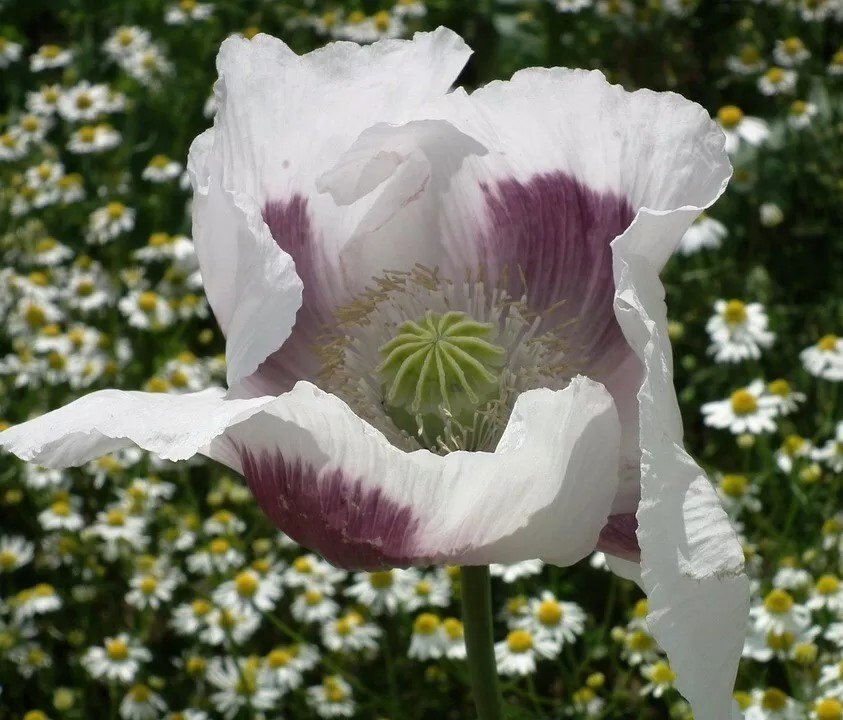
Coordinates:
<point>502,390</point>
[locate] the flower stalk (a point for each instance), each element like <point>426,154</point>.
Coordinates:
<point>479,641</point>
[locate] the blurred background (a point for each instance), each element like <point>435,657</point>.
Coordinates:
<point>110,575</point>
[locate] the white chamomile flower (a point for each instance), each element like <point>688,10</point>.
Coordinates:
<point>61,515</point>
<point>705,233</point>
<point>777,81</point>
<point>746,410</point>
<point>118,658</point>
<point>332,698</point>
<point>515,571</point>
<point>230,625</point>
<point>248,590</point>
<point>146,310</point>
<point>738,331</point>
<point>151,590</point>
<point>117,529</point>
<point>779,613</point>
<point>15,552</point>
<point>825,358</point>
<point>383,591</point>
<point>161,169</point>
<point>37,600</point>
<point>223,522</point>
<point>740,128</point>
<point>241,684</point>
<point>660,678</point>
<point>764,646</point>
<point>350,633</point>
<point>551,618</point>
<point>217,557</point>
<point>109,221</point>
<point>311,571</point>
<point>770,215</point>
<point>49,57</point>
<point>831,452</point>
<point>186,11</point>
<point>142,703</point>
<point>91,139</point>
<point>280,663</point>
<point>427,641</point>
<point>312,606</point>
<point>800,114</point>
<point>790,52</point>
<point>454,633</point>
<point>517,655</point>
<point>785,399</point>
<point>791,578</point>
<point>736,493</point>
<point>433,589</point>
<point>125,41</point>
<point>827,594</point>
<point>772,704</point>
<point>9,52</point>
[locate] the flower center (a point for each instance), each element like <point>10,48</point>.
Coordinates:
<point>453,628</point>
<point>519,641</point>
<point>441,366</point>
<point>733,485</point>
<point>779,641</point>
<point>246,584</point>
<point>729,116</point>
<point>278,658</point>
<point>773,699</point>
<point>827,343</point>
<point>116,649</point>
<point>381,580</point>
<point>549,613</point>
<point>148,585</point>
<point>828,709</point>
<point>743,402</point>
<point>735,312</point>
<point>827,585</point>
<point>662,674</point>
<point>778,602</point>
<point>426,624</point>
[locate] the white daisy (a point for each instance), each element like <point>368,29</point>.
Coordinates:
<point>746,410</point>
<point>825,359</point>
<point>740,128</point>
<point>517,654</point>
<point>118,658</point>
<point>705,233</point>
<point>738,331</point>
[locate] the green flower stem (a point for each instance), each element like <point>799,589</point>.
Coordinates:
<point>477,624</point>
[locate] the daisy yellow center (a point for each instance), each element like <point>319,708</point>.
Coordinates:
<point>60,508</point>
<point>793,444</point>
<point>519,641</point>
<point>662,674</point>
<point>140,693</point>
<point>773,699</point>
<point>115,210</point>
<point>792,45</point>
<point>733,485</point>
<point>200,608</point>
<point>159,162</point>
<point>381,580</point>
<point>219,546</point>
<point>278,658</point>
<point>343,626</point>
<point>779,387</point>
<point>147,301</point>
<point>356,17</point>
<point>29,123</point>
<point>778,602</point>
<point>50,51</point>
<point>84,101</point>
<point>85,288</point>
<point>641,609</point>
<point>798,108</point>
<point>116,649</point>
<point>775,75</point>
<point>188,5</point>
<point>148,585</point>
<point>246,584</point>
<point>426,624</point>
<point>453,628</point>
<point>743,402</point>
<point>828,585</point>
<point>115,518</point>
<point>735,312</point>
<point>639,641</point>
<point>8,559</point>
<point>303,565</point>
<point>87,134</point>
<point>779,641</point>
<point>440,365</point>
<point>549,613</point>
<point>828,709</point>
<point>729,116</point>
<point>381,20</point>
<point>422,588</point>
<point>313,597</point>
<point>827,343</point>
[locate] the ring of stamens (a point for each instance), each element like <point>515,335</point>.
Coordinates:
<point>437,363</point>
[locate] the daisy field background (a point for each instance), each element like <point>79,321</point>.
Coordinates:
<point>136,589</point>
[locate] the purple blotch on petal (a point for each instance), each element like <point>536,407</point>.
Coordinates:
<point>555,232</point>
<point>618,537</point>
<point>350,525</point>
